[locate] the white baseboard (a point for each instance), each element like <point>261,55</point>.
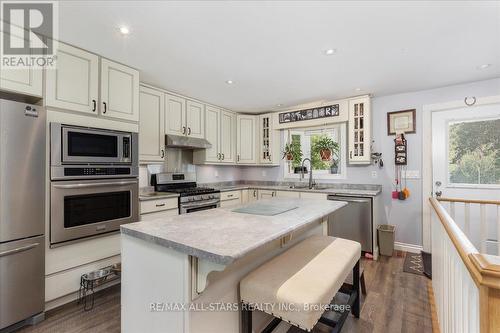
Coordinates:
<point>407,247</point>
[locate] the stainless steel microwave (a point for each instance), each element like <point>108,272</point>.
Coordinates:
<point>84,152</point>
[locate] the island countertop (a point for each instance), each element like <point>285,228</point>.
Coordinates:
<point>223,236</point>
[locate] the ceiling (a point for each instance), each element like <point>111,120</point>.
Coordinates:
<point>275,51</point>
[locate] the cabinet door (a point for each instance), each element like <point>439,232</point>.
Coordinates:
<point>159,215</point>
<point>175,115</point>
<point>212,134</point>
<point>288,194</point>
<point>119,91</point>
<point>359,131</point>
<point>228,137</point>
<point>246,136</point>
<point>74,82</point>
<point>253,195</point>
<point>267,140</point>
<point>195,119</point>
<point>151,125</point>
<point>26,80</point>
<point>266,194</point>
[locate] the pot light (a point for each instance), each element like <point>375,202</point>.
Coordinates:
<point>330,51</point>
<point>358,89</point>
<point>229,82</point>
<point>483,66</point>
<point>279,105</point>
<point>124,30</point>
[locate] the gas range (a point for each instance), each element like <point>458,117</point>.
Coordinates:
<point>191,197</point>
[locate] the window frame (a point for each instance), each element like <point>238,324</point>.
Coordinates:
<point>319,174</point>
<point>449,184</point>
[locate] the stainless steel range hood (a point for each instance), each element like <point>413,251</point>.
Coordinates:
<point>186,142</point>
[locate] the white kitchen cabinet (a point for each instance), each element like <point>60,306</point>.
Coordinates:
<point>220,131</point>
<point>150,209</point>
<point>175,115</point>
<point>288,194</point>
<point>230,199</point>
<point>227,136</point>
<point>26,80</point>
<point>313,195</point>
<point>195,119</point>
<point>360,130</point>
<point>151,125</point>
<point>212,134</point>
<point>119,91</point>
<point>269,140</point>
<point>73,84</point>
<point>266,194</point>
<point>159,215</point>
<point>246,139</point>
<point>253,195</point>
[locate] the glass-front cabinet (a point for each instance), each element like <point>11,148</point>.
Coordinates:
<point>268,140</point>
<point>360,130</point>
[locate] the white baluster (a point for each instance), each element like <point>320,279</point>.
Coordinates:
<point>467,220</point>
<point>484,228</point>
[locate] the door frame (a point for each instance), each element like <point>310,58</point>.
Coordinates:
<point>427,188</point>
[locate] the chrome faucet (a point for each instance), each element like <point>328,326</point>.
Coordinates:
<point>310,172</point>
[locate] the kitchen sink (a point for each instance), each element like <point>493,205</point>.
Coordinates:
<point>299,186</point>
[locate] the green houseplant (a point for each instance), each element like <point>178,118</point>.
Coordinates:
<point>292,151</point>
<point>327,147</point>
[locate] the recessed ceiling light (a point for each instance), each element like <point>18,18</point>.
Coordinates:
<point>124,30</point>
<point>483,66</point>
<point>330,51</point>
<point>229,82</point>
<point>279,105</point>
<point>358,89</point>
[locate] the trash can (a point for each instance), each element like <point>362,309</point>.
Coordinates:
<point>386,239</point>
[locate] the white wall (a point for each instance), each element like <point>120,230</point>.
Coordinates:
<point>406,215</point>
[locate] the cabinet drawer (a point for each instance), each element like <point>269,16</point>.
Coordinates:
<point>151,206</point>
<point>231,195</point>
<point>159,215</point>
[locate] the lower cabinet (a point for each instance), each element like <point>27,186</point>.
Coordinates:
<point>230,199</point>
<point>155,209</point>
<point>288,194</point>
<point>310,195</point>
<point>159,215</point>
<point>266,194</point>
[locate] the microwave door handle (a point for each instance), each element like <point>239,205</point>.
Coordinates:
<point>86,185</point>
<point>19,249</point>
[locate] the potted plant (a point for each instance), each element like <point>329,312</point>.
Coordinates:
<point>327,147</point>
<point>292,151</point>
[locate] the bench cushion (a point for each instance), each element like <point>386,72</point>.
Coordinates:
<point>310,273</point>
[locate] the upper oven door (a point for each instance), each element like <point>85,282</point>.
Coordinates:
<point>86,208</point>
<point>83,145</point>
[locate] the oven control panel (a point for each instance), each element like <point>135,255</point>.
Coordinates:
<point>91,171</point>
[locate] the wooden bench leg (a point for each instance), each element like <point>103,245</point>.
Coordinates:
<point>246,318</point>
<point>355,280</point>
<point>363,283</point>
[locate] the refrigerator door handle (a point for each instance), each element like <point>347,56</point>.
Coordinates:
<point>19,249</point>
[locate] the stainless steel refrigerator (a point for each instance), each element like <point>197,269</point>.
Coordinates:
<point>22,212</point>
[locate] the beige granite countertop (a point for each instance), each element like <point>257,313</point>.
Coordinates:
<point>223,236</point>
<point>326,190</point>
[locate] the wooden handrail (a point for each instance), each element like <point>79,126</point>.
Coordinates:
<point>484,269</point>
<point>472,201</point>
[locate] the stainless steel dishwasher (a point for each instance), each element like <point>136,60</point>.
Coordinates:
<point>353,221</point>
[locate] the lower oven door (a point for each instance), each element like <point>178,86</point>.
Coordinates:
<point>80,209</point>
<point>186,208</point>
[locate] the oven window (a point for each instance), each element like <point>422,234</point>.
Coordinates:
<point>93,208</point>
<point>92,145</point>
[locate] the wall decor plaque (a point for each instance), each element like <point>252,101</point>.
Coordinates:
<point>309,114</point>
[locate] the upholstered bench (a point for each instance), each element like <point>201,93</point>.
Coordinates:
<point>298,285</point>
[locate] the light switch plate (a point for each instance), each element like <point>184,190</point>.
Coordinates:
<point>412,174</point>
<point>374,174</point>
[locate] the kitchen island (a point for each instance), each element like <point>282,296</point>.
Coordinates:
<point>181,273</point>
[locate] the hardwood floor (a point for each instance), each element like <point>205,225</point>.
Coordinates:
<point>396,302</point>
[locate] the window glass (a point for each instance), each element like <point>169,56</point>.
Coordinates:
<point>474,152</point>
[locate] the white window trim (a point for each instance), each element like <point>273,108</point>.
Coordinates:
<point>449,184</point>
<point>321,175</point>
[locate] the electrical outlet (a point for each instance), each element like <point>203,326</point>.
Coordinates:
<point>216,174</point>
<point>374,174</point>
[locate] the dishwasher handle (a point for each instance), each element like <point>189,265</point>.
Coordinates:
<point>349,199</point>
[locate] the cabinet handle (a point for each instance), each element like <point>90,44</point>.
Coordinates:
<point>183,129</point>
<point>269,158</point>
<point>254,193</point>
<point>162,153</point>
<point>238,157</point>
<point>223,156</point>
<point>230,195</point>
<point>105,107</point>
<point>160,205</point>
<point>218,156</point>
<point>189,130</point>
<point>94,105</point>
<point>350,154</point>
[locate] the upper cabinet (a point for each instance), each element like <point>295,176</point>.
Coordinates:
<point>246,139</point>
<point>119,91</point>
<point>360,130</point>
<point>73,83</point>
<point>26,81</point>
<point>220,131</point>
<point>151,125</point>
<point>195,119</point>
<point>269,140</point>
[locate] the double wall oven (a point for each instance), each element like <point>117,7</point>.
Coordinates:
<point>94,182</point>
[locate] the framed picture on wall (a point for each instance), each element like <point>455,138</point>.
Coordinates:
<point>401,121</point>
